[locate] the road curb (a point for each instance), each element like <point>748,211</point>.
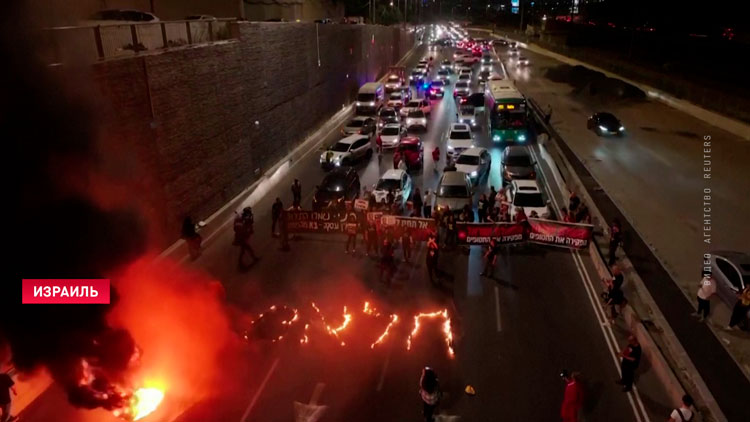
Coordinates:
<point>682,371</point>
<point>733,126</point>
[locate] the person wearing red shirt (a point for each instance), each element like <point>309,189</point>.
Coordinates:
<point>573,398</point>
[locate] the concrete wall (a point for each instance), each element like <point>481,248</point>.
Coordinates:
<point>185,119</point>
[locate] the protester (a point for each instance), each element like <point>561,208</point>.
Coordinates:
<point>450,231</point>
<point>631,357</point>
<point>615,297</point>
<point>390,198</point>
<point>351,227</point>
<point>296,193</point>
<point>504,216</point>
<point>416,200</point>
<point>243,230</point>
<point>432,257</point>
<point>429,391</point>
<point>548,114</point>
<point>706,289</point>
<point>533,214</point>
<point>402,165</point>
<point>490,258</point>
<point>615,239</point>
<point>483,208</point>
<point>741,308</point>
<point>436,159</point>
<point>7,385</point>
<point>684,413</point>
<point>276,209</point>
<point>387,261</point>
<point>191,237</point>
<point>573,201</point>
<point>450,164</point>
<point>583,215</point>
<point>492,196</point>
<point>407,242</point>
<point>429,197</point>
<point>520,216</point>
<point>573,397</point>
<point>371,237</point>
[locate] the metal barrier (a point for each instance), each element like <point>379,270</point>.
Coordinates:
<point>85,44</point>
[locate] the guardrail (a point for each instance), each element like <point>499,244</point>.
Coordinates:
<point>86,44</point>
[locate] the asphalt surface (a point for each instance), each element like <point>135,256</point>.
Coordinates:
<point>513,332</point>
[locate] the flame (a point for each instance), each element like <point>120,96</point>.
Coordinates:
<point>394,320</point>
<point>446,328</point>
<point>144,401</point>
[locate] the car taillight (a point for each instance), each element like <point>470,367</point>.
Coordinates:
<point>533,174</point>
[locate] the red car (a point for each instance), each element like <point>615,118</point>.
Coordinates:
<point>411,151</point>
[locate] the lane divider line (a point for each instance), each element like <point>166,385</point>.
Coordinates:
<point>262,387</point>
<point>497,309</point>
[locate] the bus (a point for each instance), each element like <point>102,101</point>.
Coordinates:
<point>506,111</point>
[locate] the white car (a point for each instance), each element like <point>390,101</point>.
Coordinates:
<point>346,151</point>
<point>393,83</point>
<point>418,104</point>
<point>416,119</point>
<point>390,135</point>
<point>462,89</point>
<point>396,181</point>
<point>522,61</point>
<point>453,191</point>
<point>470,60</point>
<point>476,162</point>
<point>467,115</point>
<point>444,75</point>
<point>513,51</point>
<point>464,78</point>
<point>459,139</point>
<point>397,99</point>
<point>526,194</point>
<point>465,71</point>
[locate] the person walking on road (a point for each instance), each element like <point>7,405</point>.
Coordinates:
<point>490,258</point>
<point>429,197</point>
<point>741,308</point>
<point>435,159</point>
<point>548,114</point>
<point>429,391</point>
<point>387,262</point>
<point>615,239</point>
<point>615,296</point>
<point>483,207</point>
<point>296,193</point>
<point>7,386</point>
<point>631,358</point>
<point>371,237</point>
<point>407,242</point>
<point>684,413</point>
<point>192,238</point>
<point>276,210</point>
<point>573,397</point>
<point>243,230</point>
<point>706,289</point>
<point>432,258</point>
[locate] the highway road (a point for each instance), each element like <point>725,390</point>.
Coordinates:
<point>655,175</point>
<point>513,332</point>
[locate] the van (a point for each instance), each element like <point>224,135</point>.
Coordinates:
<point>370,98</point>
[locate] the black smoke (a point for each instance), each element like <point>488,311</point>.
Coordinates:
<point>56,231</point>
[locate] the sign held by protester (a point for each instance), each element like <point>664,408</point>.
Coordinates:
<point>558,233</point>
<point>420,228</point>
<point>361,204</point>
<point>301,221</point>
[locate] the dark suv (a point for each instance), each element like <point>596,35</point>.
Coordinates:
<point>340,185</point>
<point>517,164</point>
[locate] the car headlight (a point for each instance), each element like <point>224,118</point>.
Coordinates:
<point>473,174</point>
<point>450,147</point>
<point>522,137</point>
<point>371,103</point>
<point>496,138</point>
<point>622,128</point>
<point>602,128</point>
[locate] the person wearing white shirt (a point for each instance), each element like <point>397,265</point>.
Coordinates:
<point>684,413</point>
<point>706,289</point>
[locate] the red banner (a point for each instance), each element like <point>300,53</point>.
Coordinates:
<point>482,233</point>
<point>299,221</point>
<point>557,233</point>
<point>420,228</point>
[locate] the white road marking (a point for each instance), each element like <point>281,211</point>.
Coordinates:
<point>497,309</point>
<point>260,390</point>
<point>609,336</point>
<point>381,381</point>
<point>317,393</point>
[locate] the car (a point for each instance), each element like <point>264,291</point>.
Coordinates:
<point>476,52</point>
<point>359,125</point>
<point>731,271</point>
<point>416,119</point>
<point>393,83</point>
<point>419,103</point>
<point>465,77</point>
<point>522,61</point>
<point>444,75</point>
<point>467,115</point>
<point>465,71</point>
<point>470,60</point>
<point>453,192</point>
<point>459,139</point>
<point>388,115</point>
<point>484,76</point>
<point>346,151</point>
<point>397,99</point>
<point>341,184</point>
<point>426,64</point>
<point>437,89</point>
<point>512,44</point>
<point>517,164</point>
<point>411,151</point>
<point>416,76</point>
<point>396,181</point>
<point>390,135</point>
<point>476,162</point>
<point>513,51</point>
<point>462,89</point>
<point>446,64</point>
<point>526,194</point>
<point>459,54</point>
<point>603,124</point>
